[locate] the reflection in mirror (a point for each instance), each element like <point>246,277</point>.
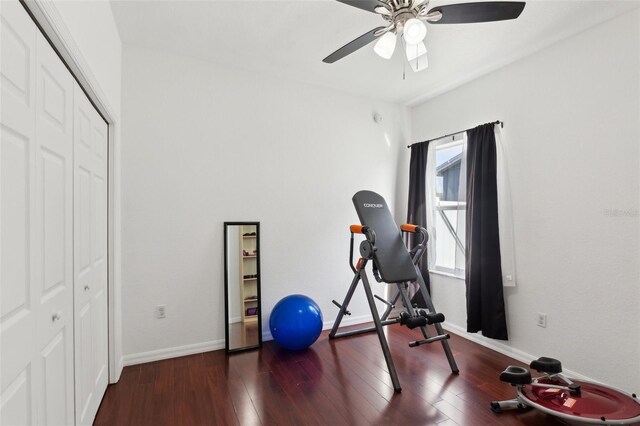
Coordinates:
<point>242,286</point>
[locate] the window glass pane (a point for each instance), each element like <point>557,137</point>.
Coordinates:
<point>449,206</point>
<point>445,242</point>
<point>448,161</point>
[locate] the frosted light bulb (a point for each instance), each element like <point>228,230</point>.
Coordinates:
<point>414,31</point>
<point>385,45</point>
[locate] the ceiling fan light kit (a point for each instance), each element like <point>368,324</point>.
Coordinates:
<point>408,17</point>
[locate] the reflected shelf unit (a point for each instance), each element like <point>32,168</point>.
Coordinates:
<point>248,274</point>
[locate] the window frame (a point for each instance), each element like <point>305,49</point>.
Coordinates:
<point>447,142</point>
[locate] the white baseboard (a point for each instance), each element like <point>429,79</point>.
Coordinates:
<point>166,353</point>
<point>326,325</point>
<point>348,320</point>
<point>159,354</point>
<point>504,349</point>
<point>119,368</point>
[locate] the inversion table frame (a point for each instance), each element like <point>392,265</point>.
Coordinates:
<point>392,263</point>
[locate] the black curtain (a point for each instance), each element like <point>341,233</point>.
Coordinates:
<point>417,208</point>
<point>483,275</point>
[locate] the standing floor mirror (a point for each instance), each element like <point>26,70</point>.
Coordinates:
<point>243,329</point>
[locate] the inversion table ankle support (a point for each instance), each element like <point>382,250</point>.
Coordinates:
<point>393,264</point>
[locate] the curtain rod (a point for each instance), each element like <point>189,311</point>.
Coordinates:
<point>501,123</point>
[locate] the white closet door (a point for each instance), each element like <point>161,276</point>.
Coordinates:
<point>36,215</point>
<point>48,309</point>
<point>18,313</point>
<point>90,169</point>
<point>54,228</point>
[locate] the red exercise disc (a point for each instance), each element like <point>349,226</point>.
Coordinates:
<point>593,403</point>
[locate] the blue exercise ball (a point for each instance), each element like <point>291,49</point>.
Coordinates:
<point>295,322</point>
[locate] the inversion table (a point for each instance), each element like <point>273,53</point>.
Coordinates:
<point>392,264</point>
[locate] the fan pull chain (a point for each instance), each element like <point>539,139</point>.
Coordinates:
<point>404,65</point>
<point>404,75</point>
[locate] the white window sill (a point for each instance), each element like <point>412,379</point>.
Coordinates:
<point>445,274</point>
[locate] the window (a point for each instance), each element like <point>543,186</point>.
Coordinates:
<point>446,195</point>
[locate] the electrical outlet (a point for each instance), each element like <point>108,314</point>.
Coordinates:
<point>542,320</point>
<point>161,311</point>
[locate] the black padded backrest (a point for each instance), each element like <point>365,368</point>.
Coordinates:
<point>391,257</point>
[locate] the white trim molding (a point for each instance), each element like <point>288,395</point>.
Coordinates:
<point>347,320</point>
<point>160,354</point>
<point>327,325</point>
<point>214,345</point>
<point>505,349</point>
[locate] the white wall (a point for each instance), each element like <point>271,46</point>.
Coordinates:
<point>206,144</point>
<point>92,27</point>
<point>572,133</point>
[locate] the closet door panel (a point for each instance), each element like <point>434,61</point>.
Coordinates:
<point>54,226</point>
<point>84,274</point>
<point>91,260</point>
<point>84,363</point>
<point>99,294</point>
<point>18,316</point>
<point>100,265</point>
<point>15,168</point>
<point>17,70</point>
<point>54,171</point>
<point>53,359</point>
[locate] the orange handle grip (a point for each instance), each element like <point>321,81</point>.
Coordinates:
<point>409,228</point>
<point>357,229</point>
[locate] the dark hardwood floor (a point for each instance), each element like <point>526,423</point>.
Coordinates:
<point>338,382</point>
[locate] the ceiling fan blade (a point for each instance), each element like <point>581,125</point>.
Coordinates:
<point>467,13</point>
<point>368,5</point>
<point>354,45</point>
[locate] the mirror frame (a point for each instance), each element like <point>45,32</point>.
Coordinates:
<point>226,287</point>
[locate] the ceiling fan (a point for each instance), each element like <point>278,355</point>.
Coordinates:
<point>407,18</point>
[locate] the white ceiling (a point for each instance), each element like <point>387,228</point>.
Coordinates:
<point>290,38</point>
